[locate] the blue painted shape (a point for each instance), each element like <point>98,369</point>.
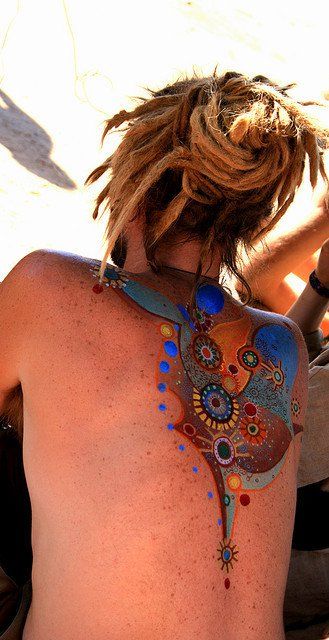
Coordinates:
<point>181,447</point>
<point>195,469</point>
<point>210,494</point>
<point>152,300</point>
<point>170,348</point>
<point>209,298</point>
<point>162,386</point>
<point>162,407</point>
<point>219,521</point>
<point>277,343</point>
<point>186,316</point>
<point>111,273</point>
<point>170,426</point>
<point>184,312</point>
<point>164,366</point>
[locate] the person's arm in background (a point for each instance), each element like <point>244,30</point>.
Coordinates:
<point>310,308</point>
<point>288,249</point>
<point>307,312</point>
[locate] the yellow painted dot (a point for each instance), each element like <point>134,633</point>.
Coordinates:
<point>234,481</point>
<point>229,383</point>
<point>166,330</point>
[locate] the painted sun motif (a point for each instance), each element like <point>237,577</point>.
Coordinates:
<point>206,352</point>
<point>275,374</point>
<point>215,406</point>
<point>253,430</point>
<point>227,554</point>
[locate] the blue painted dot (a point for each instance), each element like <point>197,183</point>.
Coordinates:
<point>176,327</point>
<point>162,407</point>
<point>170,348</point>
<point>195,469</point>
<point>219,521</point>
<point>162,386</point>
<point>164,366</point>
<point>170,426</point>
<point>226,554</point>
<point>181,447</point>
<point>210,494</point>
<point>209,298</point>
<point>183,311</point>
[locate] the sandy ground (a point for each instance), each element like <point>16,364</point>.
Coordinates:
<point>67,65</point>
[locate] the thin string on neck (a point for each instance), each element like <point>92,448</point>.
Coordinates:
<point>192,273</point>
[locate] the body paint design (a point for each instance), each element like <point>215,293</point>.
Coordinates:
<point>236,377</point>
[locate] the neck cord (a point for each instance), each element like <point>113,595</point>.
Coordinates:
<point>166,266</point>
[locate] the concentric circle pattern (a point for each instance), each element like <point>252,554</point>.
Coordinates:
<point>206,352</point>
<point>224,451</point>
<point>217,402</point>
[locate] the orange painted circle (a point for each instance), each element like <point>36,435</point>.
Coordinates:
<point>234,481</point>
<point>166,330</point>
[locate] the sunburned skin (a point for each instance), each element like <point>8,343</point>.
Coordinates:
<point>238,380</point>
<point>145,426</point>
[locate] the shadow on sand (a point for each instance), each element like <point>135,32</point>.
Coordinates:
<point>29,144</point>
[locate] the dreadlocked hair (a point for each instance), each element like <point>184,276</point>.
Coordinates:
<point>217,158</point>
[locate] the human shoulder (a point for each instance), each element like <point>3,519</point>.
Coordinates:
<point>259,316</point>
<point>290,339</point>
<point>45,263</point>
<point>41,287</point>
<point>47,271</point>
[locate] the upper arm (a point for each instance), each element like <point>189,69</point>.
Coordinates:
<point>17,305</point>
<point>294,239</point>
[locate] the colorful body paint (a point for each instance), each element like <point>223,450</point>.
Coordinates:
<point>236,375</point>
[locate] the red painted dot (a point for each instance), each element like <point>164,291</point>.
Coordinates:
<point>245,500</point>
<point>250,409</point>
<point>97,288</point>
<point>189,429</point>
<point>233,369</point>
<point>206,353</point>
<point>227,583</point>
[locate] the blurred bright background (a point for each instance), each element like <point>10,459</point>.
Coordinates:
<point>66,65</point>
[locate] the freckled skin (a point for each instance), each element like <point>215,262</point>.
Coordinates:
<point>126,539</point>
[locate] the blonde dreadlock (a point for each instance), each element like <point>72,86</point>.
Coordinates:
<point>216,158</point>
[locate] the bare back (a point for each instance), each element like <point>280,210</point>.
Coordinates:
<point>160,452</point>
